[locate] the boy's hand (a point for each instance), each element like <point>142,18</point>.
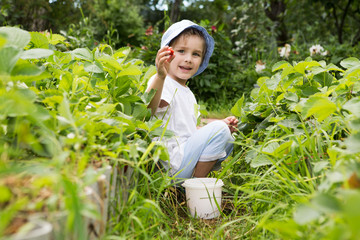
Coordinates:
<point>163,58</point>
<point>232,123</point>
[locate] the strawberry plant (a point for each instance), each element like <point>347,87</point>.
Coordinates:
<point>65,113</point>
<point>299,136</point>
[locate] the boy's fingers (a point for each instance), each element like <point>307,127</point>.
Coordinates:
<point>171,58</point>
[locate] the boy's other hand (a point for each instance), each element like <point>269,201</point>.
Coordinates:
<point>232,122</point>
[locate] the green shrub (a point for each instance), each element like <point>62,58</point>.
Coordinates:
<point>64,113</point>
<point>299,137</point>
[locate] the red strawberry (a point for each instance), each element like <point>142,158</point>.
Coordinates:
<point>171,51</point>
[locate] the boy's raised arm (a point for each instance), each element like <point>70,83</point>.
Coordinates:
<point>162,61</point>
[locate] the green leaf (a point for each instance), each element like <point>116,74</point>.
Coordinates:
<point>109,61</point>
<point>319,166</point>
<point>65,112</point>
<point>352,143</point>
<point>36,53</point>
<point>5,194</point>
<point>56,38</point>
<point>25,68</point>
<point>302,66</point>
<point>317,70</point>
<point>16,37</point>
<point>305,214</point>
<point>289,123</point>
<point>353,106</point>
<point>355,124</point>
<point>53,101</point>
<point>352,72</point>
<point>105,109</point>
<point>122,52</point>
<point>280,65</point>
<point>287,70</point>
<point>82,53</point>
<point>140,111</point>
<point>260,160</point>
<point>2,41</point>
<point>18,103</point>
<point>8,57</point>
<point>333,67</point>
<point>149,73</point>
<point>130,70</point>
<point>237,109</point>
<point>283,149</point>
<point>324,78</point>
<point>309,91</point>
<point>94,67</point>
<point>273,82</point>
<point>326,203</point>
<point>250,155</point>
<point>130,99</point>
<point>66,80</point>
<point>122,86</point>
<point>350,62</point>
<point>154,124</point>
<point>39,40</point>
<point>320,107</point>
<point>270,148</point>
<point>291,96</point>
<point>30,79</point>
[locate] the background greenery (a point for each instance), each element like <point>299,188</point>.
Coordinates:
<point>72,98</point>
<point>245,32</point>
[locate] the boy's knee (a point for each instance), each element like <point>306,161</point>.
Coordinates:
<point>219,124</point>
<point>222,128</point>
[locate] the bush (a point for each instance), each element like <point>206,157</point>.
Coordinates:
<point>299,142</point>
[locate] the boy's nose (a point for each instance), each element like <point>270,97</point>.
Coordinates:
<point>188,58</point>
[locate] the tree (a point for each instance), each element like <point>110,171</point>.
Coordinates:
<point>117,20</point>
<point>40,15</point>
<point>275,11</point>
<point>63,13</point>
<point>344,12</point>
<point>30,15</point>
<point>175,10</point>
<point>215,11</point>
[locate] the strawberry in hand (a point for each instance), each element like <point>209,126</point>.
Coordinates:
<point>171,51</point>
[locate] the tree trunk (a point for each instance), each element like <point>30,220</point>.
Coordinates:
<point>356,38</point>
<point>276,13</point>
<point>343,21</point>
<point>340,24</point>
<point>175,11</point>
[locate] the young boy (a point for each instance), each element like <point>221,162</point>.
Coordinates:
<point>185,52</point>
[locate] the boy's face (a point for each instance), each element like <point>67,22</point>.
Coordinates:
<point>188,57</point>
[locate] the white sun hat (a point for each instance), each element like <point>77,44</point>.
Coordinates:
<point>174,30</point>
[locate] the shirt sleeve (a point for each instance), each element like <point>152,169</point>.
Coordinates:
<point>168,91</point>
<point>167,94</point>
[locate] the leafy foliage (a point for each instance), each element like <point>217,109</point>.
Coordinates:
<point>298,135</point>
<point>64,112</point>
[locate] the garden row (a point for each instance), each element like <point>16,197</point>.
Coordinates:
<point>299,135</point>
<point>74,135</point>
<point>76,149</point>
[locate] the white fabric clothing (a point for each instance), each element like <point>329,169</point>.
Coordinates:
<point>181,115</point>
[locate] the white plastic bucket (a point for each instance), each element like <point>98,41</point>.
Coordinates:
<point>203,197</point>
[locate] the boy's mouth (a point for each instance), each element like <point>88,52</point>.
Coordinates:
<point>185,68</point>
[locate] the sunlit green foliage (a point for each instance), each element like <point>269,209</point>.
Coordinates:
<point>63,113</point>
